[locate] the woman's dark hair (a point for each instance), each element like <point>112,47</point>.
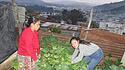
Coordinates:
<point>74,38</point>
<point>80,41</point>
<point>32,19</point>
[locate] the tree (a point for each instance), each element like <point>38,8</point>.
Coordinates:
<point>94,25</point>
<point>73,16</point>
<point>65,15</point>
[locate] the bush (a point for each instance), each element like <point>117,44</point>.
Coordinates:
<point>109,64</point>
<point>55,29</point>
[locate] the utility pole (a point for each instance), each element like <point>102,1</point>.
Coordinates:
<point>14,2</point>
<point>14,7</point>
<point>88,27</point>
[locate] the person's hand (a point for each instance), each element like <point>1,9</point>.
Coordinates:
<point>72,62</point>
<point>39,56</point>
<point>34,62</point>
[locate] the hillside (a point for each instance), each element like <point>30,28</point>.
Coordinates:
<point>118,10</point>
<point>28,2</point>
<point>69,4</point>
<point>110,6</point>
<point>110,11</point>
<point>73,4</point>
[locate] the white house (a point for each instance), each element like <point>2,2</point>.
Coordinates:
<point>115,27</point>
<point>62,26</point>
<point>46,14</point>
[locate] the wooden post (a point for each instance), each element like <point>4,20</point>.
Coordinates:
<point>14,3</point>
<point>81,32</point>
<point>88,28</point>
<point>14,7</point>
<point>123,60</point>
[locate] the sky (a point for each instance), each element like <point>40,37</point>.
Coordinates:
<point>99,2</point>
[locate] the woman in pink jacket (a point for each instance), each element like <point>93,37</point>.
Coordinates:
<point>29,50</point>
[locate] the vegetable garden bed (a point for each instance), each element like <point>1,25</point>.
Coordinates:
<point>56,54</point>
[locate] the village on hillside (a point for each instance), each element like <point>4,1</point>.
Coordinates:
<point>57,26</point>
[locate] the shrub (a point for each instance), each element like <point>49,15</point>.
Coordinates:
<point>55,29</point>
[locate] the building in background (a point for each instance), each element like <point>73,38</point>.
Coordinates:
<point>115,27</point>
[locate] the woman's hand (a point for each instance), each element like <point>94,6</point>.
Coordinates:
<point>72,62</point>
<point>34,62</point>
<point>38,56</point>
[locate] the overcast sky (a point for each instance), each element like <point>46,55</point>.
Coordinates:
<point>88,1</point>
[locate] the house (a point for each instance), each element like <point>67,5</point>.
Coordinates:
<point>115,27</point>
<point>46,14</point>
<point>62,26</point>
